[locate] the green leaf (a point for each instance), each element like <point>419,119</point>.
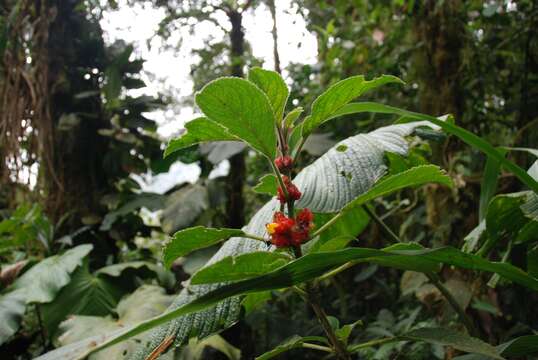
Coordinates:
<point>504,216</point>
<point>198,131</point>
<point>40,284</point>
<point>521,346</point>
<point>253,301</point>
<point>243,109</point>
<point>12,309</point>
<point>488,186</point>
<point>147,301</point>
<point>344,332</point>
<point>43,281</point>
<point>86,294</point>
<point>273,86</point>
<point>338,95</point>
<point>415,176</point>
<point>459,341</point>
<point>188,240</point>
<point>345,229</point>
<point>292,116</point>
<point>240,267</point>
<point>292,343</point>
<point>402,256</point>
<point>466,136</point>
<point>268,185</point>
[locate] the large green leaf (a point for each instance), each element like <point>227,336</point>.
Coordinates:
<point>40,284</point>
<point>402,256</point>
<point>459,341</point>
<point>197,131</point>
<point>12,309</point>
<point>240,267</point>
<point>243,109</point>
<point>363,159</point>
<point>338,95</point>
<point>521,346</point>
<point>466,136</point>
<point>85,294</point>
<point>188,240</point>
<point>441,336</point>
<point>273,86</point>
<point>146,302</point>
<point>43,281</point>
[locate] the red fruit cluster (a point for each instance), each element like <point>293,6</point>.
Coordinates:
<point>286,231</point>
<point>284,163</point>
<point>293,192</point>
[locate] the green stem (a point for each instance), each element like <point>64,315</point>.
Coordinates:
<point>317,347</point>
<point>279,178</point>
<point>255,237</point>
<point>41,327</point>
<point>355,348</point>
<point>434,279</point>
<point>327,225</point>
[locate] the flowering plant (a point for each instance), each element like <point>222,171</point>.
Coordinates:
<point>337,187</point>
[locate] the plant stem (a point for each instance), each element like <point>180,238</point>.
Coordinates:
<point>327,225</point>
<point>279,178</point>
<point>432,277</point>
<point>317,347</point>
<point>337,345</point>
<point>41,328</point>
<point>255,237</point>
<point>371,343</point>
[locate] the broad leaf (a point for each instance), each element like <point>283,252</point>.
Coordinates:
<point>363,159</point>
<point>273,86</point>
<point>338,95</point>
<point>459,341</point>
<point>466,136</point>
<point>521,346</point>
<point>12,309</point>
<point>199,237</point>
<point>43,281</point>
<point>243,109</point>
<point>403,256</point>
<point>146,302</point>
<point>240,267</point>
<point>40,284</point>
<point>85,294</point>
<point>197,131</point>
<point>268,185</point>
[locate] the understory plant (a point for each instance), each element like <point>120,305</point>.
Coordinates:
<point>296,240</point>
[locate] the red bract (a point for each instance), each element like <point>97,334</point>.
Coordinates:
<point>284,163</point>
<point>293,191</point>
<point>285,231</point>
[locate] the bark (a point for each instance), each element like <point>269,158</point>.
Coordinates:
<point>276,56</point>
<point>235,181</point>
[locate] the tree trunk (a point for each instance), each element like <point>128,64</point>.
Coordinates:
<point>235,181</point>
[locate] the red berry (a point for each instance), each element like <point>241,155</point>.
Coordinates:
<point>284,163</point>
<point>293,191</point>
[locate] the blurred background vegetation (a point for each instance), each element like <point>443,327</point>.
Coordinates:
<point>79,146</point>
